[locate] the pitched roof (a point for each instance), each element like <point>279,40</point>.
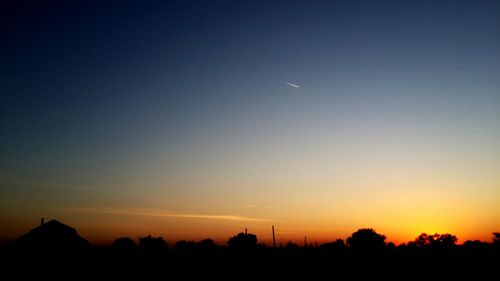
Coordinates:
<point>51,236</point>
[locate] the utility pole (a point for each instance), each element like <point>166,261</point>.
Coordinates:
<point>246,231</point>
<point>305,241</point>
<point>274,239</point>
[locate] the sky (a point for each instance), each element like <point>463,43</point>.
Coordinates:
<point>195,119</point>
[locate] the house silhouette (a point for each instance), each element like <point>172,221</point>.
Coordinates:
<point>51,238</point>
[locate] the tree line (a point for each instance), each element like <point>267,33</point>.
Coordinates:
<point>365,241</point>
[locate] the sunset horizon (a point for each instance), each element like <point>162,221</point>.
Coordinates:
<point>221,227</point>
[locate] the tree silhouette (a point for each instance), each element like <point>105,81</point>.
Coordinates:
<point>474,247</point>
<point>207,245</point>
<point>203,247</point>
<point>184,245</point>
<point>496,238</point>
<point>496,242</point>
<point>446,240</point>
<point>434,241</point>
<point>243,242</point>
<point>421,241</point>
<point>436,244</point>
<point>151,246</point>
<point>124,247</point>
<point>366,240</point>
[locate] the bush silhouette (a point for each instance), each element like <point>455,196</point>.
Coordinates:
<point>334,246</point>
<point>292,246</point>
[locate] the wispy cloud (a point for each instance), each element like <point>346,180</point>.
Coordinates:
<point>292,85</point>
<point>162,213</point>
<point>247,206</point>
<point>214,217</point>
<point>252,206</point>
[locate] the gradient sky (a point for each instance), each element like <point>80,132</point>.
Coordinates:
<point>176,119</point>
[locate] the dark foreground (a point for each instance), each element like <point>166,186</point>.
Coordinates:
<point>266,263</point>
<point>55,251</point>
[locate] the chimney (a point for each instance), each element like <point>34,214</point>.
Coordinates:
<point>42,221</point>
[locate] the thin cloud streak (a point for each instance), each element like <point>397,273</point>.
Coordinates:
<point>214,217</point>
<point>166,214</point>
<point>293,85</point>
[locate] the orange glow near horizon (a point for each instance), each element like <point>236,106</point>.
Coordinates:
<point>325,215</point>
<point>102,225</point>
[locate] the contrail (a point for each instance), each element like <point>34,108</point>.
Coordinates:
<point>292,85</point>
